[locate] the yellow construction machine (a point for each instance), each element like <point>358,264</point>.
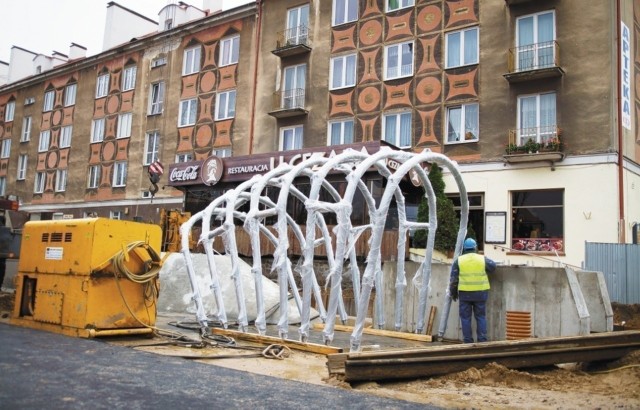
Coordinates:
<point>88,277</point>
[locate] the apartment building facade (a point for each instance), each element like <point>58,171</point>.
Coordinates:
<point>538,109</point>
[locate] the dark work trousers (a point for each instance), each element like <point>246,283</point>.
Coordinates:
<point>3,267</point>
<point>476,303</point>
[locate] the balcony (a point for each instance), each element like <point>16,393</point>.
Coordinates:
<point>535,145</point>
<point>288,103</point>
<point>292,42</point>
<point>533,62</point>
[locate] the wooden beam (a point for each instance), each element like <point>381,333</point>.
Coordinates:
<point>380,332</point>
<point>271,340</point>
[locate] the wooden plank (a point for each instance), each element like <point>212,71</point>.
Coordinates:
<point>293,344</point>
<point>432,316</point>
<point>380,332</point>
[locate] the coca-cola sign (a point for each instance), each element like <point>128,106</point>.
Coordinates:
<point>184,174</point>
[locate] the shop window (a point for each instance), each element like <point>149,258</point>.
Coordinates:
<point>537,220</point>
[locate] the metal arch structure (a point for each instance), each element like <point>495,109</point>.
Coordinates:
<point>353,164</point>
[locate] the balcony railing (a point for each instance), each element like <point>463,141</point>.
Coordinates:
<point>288,103</point>
<point>535,144</point>
<point>534,61</point>
<point>292,41</point>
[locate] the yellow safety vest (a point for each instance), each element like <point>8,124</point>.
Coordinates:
<point>473,276</point>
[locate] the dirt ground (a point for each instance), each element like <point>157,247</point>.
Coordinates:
<point>614,385</point>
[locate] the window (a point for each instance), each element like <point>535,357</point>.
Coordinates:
<point>43,144</point>
<point>129,78</point>
<point>115,214</point>
<point>151,147</point>
<point>48,100</point>
<point>191,63</point>
<point>294,84</point>
<point>145,195</point>
<point>156,98</point>
<point>229,50</point>
<point>226,105</point>
<point>120,174</point>
<point>97,130</point>
<point>343,71</point>
<point>398,4</point>
<point>70,94</point>
<point>26,129</point>
<point>222,153</point>
<point>124,125</point>
<point>3,186</point>
<point>38,185</point>
<point>344,11</point>
<point>535,36</point>
<point>397,129</point>
<point>9,111</point>
<point>341,132</point>
<point>22,167</point>
<point>462,123</point>
<point>462,47</point>
<point>5,148</point>
<point>168,24</point>
<point>93,179</point>
<point>537,118</point>
<point>297,26</point>
<point>398,60</point>
<point>537,220</point>
<point>159,61</point>
<point>187,114</point>
<point>102,86</point>
<point>291,138</point>
<point>187,157</point>
<point>65,136</point>
<point>61,180</point>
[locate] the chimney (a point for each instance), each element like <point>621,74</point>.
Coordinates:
<point>58,58</point>
<point>4,72</point>
<point>77,51</point>
<point>212,6</point>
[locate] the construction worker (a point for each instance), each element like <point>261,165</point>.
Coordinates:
<point>469,283</point>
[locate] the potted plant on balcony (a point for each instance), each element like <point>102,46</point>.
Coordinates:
<point>531,146</point>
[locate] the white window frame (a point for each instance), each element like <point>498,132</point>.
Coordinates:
<point>534,50</point>
<point>102,85</point>
<point>49,97</point>
<point>26,129</point>
<point>119,174</point>
<point>461,51</point>
<point>38,183</point>
<point>23,159</point>
<point>151,147</point>
<point>184,157</point>
<point>5,148</point>
<point>124,125</point>
<point>345,5</point>
<point>97,130</point>
<point>402,4</point>
<point>70,94</point>
<point>9,111</point>
<point>191,60</point>
<point>342,123</point>
<point>156,98</point>
<point>190,107</point>
<point>396,138</point>
<point>93,177</point>
<point>343,75</point>
<point>539,132</point>
<point>3,186</point>
<point>66,133</point>
<point>295,143</point>
<point>222,152</point>
<point>399,65</point>
<point>61,180</point>
<point>45,139</point>
<point>229,50</point>
<point>225,110</point>
<point>462,138</point>
<point>115,215</point>
<point>129,77</point>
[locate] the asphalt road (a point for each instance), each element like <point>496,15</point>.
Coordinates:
<point>43,370</point>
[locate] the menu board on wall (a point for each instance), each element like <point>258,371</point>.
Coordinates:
<point>495,227</point>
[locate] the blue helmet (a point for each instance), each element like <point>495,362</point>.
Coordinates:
<point>469,244</point>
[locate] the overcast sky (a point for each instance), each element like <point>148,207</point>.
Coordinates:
<point>42,26</point>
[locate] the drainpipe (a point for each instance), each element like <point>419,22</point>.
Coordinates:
<point>622,227</point>
<point>255,75</point>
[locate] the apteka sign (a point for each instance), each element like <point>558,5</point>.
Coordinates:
<point>625,74</point>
